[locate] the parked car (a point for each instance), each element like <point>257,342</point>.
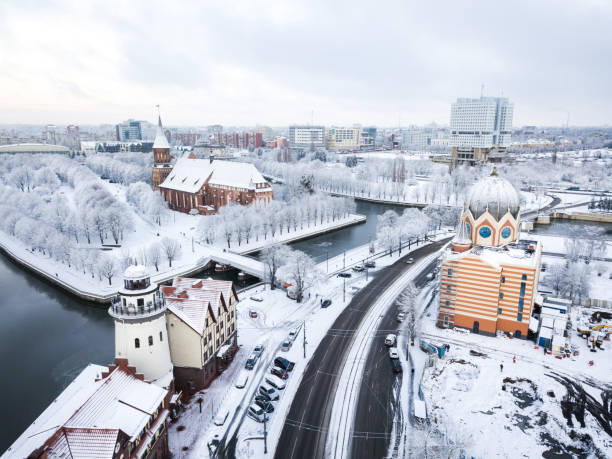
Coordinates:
<point>393,353</point>
<point>269,392</point>
<point>282,374</point>
<point>251,361</point>
<point>326,303</point>
<point>283,363</point>
<point>252,314</point>
<point>396,366</point>
<point>262,397</point>
<point>390,340</point>
<point>409,261</point>
<point>258,350</point>
<point>256,298</point>
<point>430,276</point>
<point>267,406</point>
<point>256,412</point>
<point>286,345</point>
<point>344,274</point>
<point>355,289</point>
<point>242,379</point>
<point>358,268</point>
<point>275,382</point>
<point>221,417</point>
<point>370,264</point>
<point>293,334</point>
<point>400,317</point>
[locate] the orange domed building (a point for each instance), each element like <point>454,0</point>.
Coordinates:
<point>489,275</point>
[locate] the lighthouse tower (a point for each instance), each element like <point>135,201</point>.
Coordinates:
<point>141,335</point>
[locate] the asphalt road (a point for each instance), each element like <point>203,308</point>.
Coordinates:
<point>304,433</point>
<point>376,405</point>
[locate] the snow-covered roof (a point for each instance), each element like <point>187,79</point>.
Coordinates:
<point>190,174</point>
<point>558,340</point>
<point>90,412</point>
<point>533,324</point>
<point>494,193</point>
<point>546,332</point>
<point>160,138</point>
<point>462,235</point>
<point>514,254</point>
<point>135,272</point>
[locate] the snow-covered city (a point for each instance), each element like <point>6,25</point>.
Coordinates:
<point>285,252</point>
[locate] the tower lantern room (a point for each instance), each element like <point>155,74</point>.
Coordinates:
<point>141,335</point>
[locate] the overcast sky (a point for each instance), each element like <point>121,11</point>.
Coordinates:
<point>278,62</point>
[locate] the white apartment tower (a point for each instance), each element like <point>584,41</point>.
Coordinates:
<point>481,123</point>
<point>306,136</point>
<point>141,335</point>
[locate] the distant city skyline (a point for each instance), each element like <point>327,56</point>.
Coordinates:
<point>276,64</point>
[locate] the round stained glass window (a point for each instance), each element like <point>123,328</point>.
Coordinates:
<point>485,231</point>
<point>506,232</point>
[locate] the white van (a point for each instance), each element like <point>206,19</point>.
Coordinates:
<point>242,380</point>
<point>390,340</point>
<point>275,381</point>
<point>221,417</point>
<point>256,412</point>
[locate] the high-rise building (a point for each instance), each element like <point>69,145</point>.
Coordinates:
<point>368,137</point>
<point>307,136</point>
<point>480,129</point>
<point>341,138</point>
<point>489,276</point>
<point>129,130</point>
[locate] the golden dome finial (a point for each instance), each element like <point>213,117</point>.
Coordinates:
<point>494,172</point>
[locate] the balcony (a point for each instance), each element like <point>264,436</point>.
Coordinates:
<point>151,308</point>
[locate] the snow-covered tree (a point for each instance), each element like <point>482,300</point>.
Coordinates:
<point>171,249</point>
<point>301,272</point>
<point>273,257</point>
<point>107,268</point>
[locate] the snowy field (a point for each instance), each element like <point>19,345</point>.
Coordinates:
<point>519,406</point>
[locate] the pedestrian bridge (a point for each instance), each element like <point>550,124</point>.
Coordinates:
<point>244,263</point>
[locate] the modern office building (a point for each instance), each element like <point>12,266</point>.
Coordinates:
<point>306,136</point>
<point>368,137</point>
<point>129,130</point>
<point>480,129</point>
<point>342,138</point>
<point>489,276</point>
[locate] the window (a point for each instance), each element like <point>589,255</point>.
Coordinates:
<point>150,341</point>
<point>447,303</point>
<point>123,299</point>
<point>450,272</point>
<point>521,303</point>
<point>503,280</point>
<point>522,288</point>
<point>136,343</point>
<point>499,311</point>
<point>140,301</point>
<point>161,336</point>
<point>501,294</point>
<point>519,317</point>
<point>485,232</point>
<point>524,277</point>
<point>448,288</point>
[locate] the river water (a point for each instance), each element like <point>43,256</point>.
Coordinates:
<point>48,336</point>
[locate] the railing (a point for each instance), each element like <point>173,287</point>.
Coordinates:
<point>118,309</point>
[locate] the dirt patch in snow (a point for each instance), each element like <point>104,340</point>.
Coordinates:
<point>524,390</point>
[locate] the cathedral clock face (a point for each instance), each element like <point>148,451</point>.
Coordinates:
<point>485,232</point>
<point>506,232</point>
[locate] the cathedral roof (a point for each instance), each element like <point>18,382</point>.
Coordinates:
<point>462,235</point>
<point>160,138</point>
<point>495,194</point>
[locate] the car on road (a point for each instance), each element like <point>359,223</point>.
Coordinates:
<point>358,268</point>
<point>256,298</point>
<point>242,380</point>
<point>293,335</point>
<point>252,314</point>
<point>393,354</point>
<point>396,366</point>
<point>370,264</point>
<point>267,406</point>
<point>345,275</point>
<point>256,412</point>
<point>400,317</point>
<point>269,391</point>
<point>283,363</point>
<point>430,276</point>
<point>251,361</point>
<point>286,345</point>
<point>282,374</point>
<point>409,261</point>
<point>390,340</point>
<point>275,382</point>
<point>258,350</point>
<point>221,417</point>
<point>326,303</point>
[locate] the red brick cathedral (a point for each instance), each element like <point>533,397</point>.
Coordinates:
<point>204,185</point>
